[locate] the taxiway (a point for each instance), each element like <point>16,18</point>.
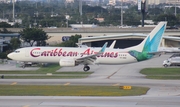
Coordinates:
<point>162,93</point>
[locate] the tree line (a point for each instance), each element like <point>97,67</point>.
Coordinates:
<point>42,14</point>
<point>34,37</point>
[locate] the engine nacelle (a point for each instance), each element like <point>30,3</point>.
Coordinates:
<point>67,62</point>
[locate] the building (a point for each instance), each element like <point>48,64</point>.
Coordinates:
<point>100,19</point>
<point>19,21</point>
<point>6,38</point>
<point>69,1</point>
<point>112,2</point>
<point>156,2</point>
<point>8,1</point>
<point>126,40</point>
<point>2,45</point>
<point>83,26</point>
<point>173,1</point>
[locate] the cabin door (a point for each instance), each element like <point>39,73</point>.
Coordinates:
<point>27,53</point>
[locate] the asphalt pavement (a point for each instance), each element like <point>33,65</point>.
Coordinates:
<point>162,93</point>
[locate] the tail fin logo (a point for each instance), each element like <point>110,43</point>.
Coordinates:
<point>152,45</point>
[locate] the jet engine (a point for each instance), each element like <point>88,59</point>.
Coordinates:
<point>67,62</point>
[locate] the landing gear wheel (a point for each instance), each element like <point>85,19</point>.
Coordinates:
<point>23,66</point>
<point>165,65</point>
<point>86,68</point>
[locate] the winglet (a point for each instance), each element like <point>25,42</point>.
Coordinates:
<point>103,48</point>
<point>113,44</point>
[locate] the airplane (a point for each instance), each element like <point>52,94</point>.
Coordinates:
<point>73,56</point>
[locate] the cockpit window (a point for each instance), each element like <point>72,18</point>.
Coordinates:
<point>16,51</point>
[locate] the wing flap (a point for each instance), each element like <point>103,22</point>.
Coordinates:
<point>90,59</point>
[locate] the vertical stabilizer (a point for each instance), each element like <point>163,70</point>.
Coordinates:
<point>152,41</point>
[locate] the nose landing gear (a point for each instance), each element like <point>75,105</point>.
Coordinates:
<point>86,68</point>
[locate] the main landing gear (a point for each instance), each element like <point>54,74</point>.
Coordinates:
<point>86,68</point>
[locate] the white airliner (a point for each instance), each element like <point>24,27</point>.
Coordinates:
<point>73,56</point>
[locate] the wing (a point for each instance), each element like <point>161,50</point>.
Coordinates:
<point>90,59</point>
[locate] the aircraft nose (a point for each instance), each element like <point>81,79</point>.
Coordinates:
<point>9,55</point>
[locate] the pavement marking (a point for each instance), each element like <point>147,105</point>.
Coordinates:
<point>67,84</point>
<point>111,75</point>
<point>116,84</point>
<point>26,106</point>
<point>14,83</point>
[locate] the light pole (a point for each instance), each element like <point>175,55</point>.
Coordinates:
<point>13,12</point>
<point>143,10</point>
<point>121,13</point>
<point>80,11</point>
<point>175,9</point>
<point>67,18</point>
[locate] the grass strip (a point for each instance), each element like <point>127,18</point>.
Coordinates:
<point>45,77</point>
<point>162,73</point>
<point>61,90</point>
<point>44,70</point>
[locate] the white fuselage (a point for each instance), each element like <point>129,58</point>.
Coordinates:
<point>55,54</point>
